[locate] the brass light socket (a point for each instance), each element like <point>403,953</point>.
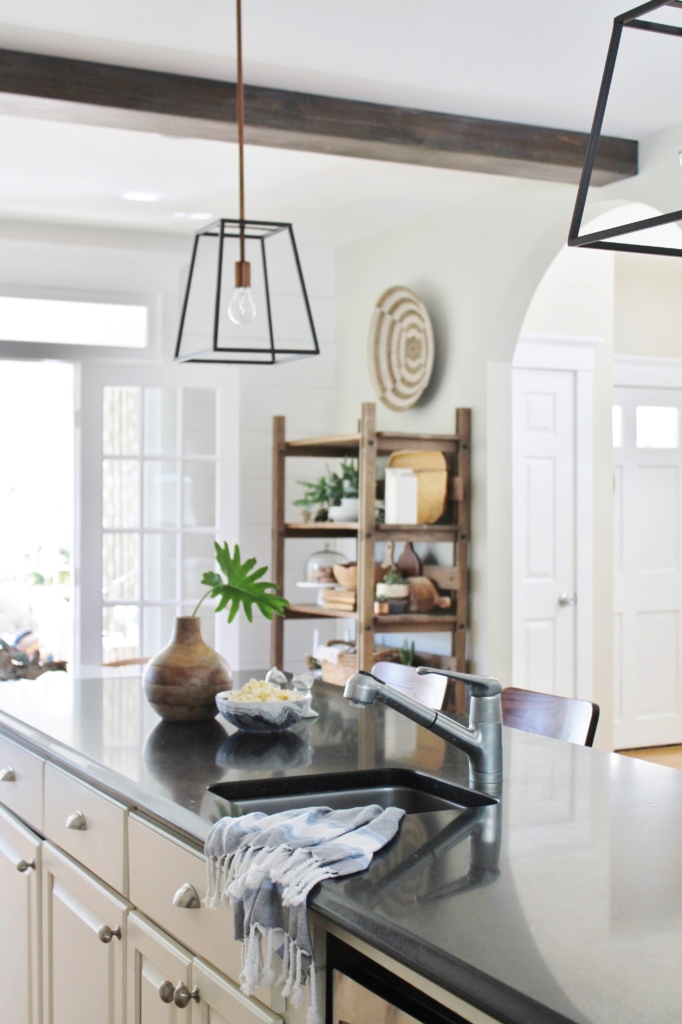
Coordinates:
<point>242,274</point>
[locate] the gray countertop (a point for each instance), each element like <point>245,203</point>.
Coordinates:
<point>563,903</point>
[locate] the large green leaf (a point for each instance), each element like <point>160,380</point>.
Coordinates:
<point>241,586</point>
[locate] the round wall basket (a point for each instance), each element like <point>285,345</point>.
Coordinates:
<point>401,348</point>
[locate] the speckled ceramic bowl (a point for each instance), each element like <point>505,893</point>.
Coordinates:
<point>262,715</point>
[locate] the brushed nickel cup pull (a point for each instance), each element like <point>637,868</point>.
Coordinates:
<point>23,865</point>
<point>187,898</point>
<point>166,991</point>
<point>77,821</point>
<point>182,995</point>
<point>8,774</point>
<point>106,934</point>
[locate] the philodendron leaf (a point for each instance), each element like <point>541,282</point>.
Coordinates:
<point>241,586</point>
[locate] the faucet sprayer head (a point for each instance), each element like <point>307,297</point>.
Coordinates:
<point>360,689</point>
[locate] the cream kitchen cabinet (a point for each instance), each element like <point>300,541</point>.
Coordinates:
<point>167,985</point>
<point>20,851</point>
<point>84,925</point>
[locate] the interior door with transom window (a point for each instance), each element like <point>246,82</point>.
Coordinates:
<point>647,572</point>
<point>159,472</point>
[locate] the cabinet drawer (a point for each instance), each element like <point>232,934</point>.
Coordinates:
<point>101,844</point>
<point>158,867</point>
<point>22,791</point>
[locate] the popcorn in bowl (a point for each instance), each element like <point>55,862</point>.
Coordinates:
<point>261,690</point>
<point>263,706</point>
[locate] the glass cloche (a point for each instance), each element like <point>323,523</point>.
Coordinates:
<point>318,568</point>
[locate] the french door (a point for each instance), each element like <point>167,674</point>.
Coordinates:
<point>647,572</point>
<point>159,472</point>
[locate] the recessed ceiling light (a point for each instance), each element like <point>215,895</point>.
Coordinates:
<point>193,216</point>
<point>141,197</point>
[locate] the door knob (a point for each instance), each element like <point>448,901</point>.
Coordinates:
<point>166,991</point>
<point>77,821</point>
<point>187,898</point>
<point>182,995</point>
<point>567,600</point>
<point>23,865</point>
<point>106,934</point>
<point>8,775</point>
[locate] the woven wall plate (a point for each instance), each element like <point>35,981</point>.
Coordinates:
<point>401,348</point>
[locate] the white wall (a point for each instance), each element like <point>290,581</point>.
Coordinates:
<point>476,267</point>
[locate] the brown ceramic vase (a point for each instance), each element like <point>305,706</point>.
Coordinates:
<point>181,681</point>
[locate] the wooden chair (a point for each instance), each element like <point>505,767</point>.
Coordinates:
<point>428,689</point>
<point>562,718</point>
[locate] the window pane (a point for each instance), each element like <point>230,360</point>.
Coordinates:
<point>160,495</point>
<point>120,633</point>
<point>160,421</point>
<point>198,421</point>
<point>60,322</point>
<point>198,557</point>
<point>656,426</point>
<point>120,493</point>
<point>617,426</point>
<point>159,566</point>
<point>199,493</point>
<point>120,565</point>
<point>121,421</point>
<point>157,629</point>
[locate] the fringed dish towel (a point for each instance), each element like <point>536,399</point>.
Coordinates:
<point>264,866</point>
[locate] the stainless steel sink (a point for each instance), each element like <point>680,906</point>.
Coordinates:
<point>414,792</point>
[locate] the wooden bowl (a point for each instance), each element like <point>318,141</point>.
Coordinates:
<point>347,575</point>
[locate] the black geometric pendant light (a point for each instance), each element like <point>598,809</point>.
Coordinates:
<point>604,239</point>
<point>246,300</point>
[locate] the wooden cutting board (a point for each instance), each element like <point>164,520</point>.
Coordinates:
<point>431,470</point>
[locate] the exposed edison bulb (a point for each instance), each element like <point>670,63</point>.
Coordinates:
<point>242,309</point>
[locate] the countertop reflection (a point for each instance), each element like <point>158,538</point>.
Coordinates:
<point>561,903</point>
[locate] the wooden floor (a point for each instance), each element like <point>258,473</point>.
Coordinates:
<point>671,757</point>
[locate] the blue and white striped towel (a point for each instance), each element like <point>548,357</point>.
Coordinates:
<point>264,866</point>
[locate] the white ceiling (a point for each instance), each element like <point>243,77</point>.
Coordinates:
<point>79,174</point>
<point>536,61</point>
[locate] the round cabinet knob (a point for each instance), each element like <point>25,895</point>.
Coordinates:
<point>182,995</point>
<point>106,934</point>
<point>8,774</point>
<point>77,821</point>
<point>187,898</point>
<point>567,600</point>
<point>166,991</point>
<point>24,865</point>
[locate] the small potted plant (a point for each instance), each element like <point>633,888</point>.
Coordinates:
<point>181,681</point>
<point>395,590</point>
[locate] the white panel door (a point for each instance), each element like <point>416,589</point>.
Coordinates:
<point>647,570</point>
<point>543,547</point>
<point>19,923</point>
<point>83,963</point>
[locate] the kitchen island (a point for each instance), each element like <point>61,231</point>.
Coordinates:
<point>562,902</point>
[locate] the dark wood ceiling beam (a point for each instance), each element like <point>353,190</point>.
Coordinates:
<point>105,94</point>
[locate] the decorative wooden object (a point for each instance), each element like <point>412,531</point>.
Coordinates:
<point>563,718</point>
<point>158,101</point>
<point>401,349</point>
<point>366,445</point>
<point>181,681</point>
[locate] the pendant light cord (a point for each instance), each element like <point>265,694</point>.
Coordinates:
<point>240,127</point>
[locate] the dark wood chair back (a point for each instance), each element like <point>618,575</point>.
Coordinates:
<point>562,718</point>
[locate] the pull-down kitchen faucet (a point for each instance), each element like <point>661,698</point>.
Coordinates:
<point>481,741</point>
